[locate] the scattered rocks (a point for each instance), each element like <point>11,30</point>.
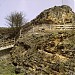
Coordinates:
<point>55,15</point>
<point>17,70</point>
<point>46,53</point>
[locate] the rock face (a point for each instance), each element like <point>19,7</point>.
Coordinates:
<point>56,15</point>
<point>46,53</point>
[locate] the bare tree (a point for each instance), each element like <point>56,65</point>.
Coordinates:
<point>16,20</point>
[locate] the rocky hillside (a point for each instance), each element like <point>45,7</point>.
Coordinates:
<point>46,52</point>
<point>55,15</point>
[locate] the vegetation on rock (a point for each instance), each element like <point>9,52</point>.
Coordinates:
<point>46,52</point>
<point>55,15</point>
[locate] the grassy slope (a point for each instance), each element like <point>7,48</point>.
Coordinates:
<point>6,67</point>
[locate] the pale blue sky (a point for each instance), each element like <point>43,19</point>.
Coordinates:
<point>31,8</point>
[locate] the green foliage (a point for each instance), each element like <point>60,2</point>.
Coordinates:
<point>6,68</point>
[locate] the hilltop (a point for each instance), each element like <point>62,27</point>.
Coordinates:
<point>55,15</point>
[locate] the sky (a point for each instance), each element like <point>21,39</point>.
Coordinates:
<point>30,8</point>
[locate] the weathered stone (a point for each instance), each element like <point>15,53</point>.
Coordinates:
<point>48,52</point>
